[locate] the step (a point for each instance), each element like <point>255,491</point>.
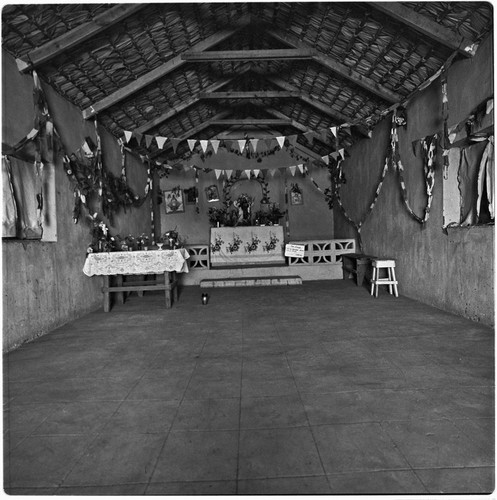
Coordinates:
<point>257,281</point>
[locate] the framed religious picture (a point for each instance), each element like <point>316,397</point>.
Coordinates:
<point>212,193</point>
<point>296,197</point>
<point>174,201</point>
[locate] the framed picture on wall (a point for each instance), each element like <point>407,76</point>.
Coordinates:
<point>191,195</point>
<point>296,197</point>
<point>174,201</point>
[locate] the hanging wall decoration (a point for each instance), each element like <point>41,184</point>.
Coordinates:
<point>296,196</point>
<point>173,200</point>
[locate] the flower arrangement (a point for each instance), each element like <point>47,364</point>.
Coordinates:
<point>217,216</point>
<point>270,216</point>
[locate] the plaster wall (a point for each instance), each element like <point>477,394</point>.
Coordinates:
<point>311,220</point>
<point>452,270</point>
<point>43,283</point>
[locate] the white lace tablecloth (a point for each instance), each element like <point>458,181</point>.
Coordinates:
<point>141,262</point>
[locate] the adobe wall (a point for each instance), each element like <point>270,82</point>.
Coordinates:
<point>452,270</point>
<point>43,283</point>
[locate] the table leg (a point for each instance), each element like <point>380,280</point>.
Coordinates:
<point>119,295</point>
<point>105,291</point>
<point>175,286</point>
<point>361,271</point>
<point>167,291</point>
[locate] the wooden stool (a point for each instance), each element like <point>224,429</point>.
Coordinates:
<point>390,280</point>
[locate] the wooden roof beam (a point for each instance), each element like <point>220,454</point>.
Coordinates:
<point>425,26</point>
<point>250,94</point>
<point>252,122</point>
<point>248,55</point>
<point>161,71</point>
<point>339,68</point>
<point>76,36</point>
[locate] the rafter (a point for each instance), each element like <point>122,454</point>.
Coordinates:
<point>248,55</point>
<point>339,68</point>
<point>76,36</point>
<point>425,26</point>
<point>250,94</point>
<point>252,122</point>
<point>161,71</point>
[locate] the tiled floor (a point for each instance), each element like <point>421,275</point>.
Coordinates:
<point>317,388</point>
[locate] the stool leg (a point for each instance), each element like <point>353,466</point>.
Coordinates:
<point>395,284</point>
<point>373,280</point>
<point>390,291</point>
<point>105,290</point>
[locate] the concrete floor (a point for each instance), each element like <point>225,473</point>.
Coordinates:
<point>317,388</point>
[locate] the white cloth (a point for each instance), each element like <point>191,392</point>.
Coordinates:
<point>141,262</point>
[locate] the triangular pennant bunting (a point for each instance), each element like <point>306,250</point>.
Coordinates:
<point>215,145</point>
<point>347,130</point>
<point>253,143</point>
<point>148,140</point>
<point>301,168</point>
<point>269,142</point>
<point>127,135</point>
<point>138,137</point>
<point>256,172</point>
<point>326,159</point>
<point>281,141</point>
<point>333,131</point>
<point>342,153</point>
<point>310,136</point>
<point>228,173</point>
<point>161,141</point>
<point>292,170</point>
<point>203,145</point>
<point>334,155</point>
<point>292,139</point>
<point>218,173</point>
<point>247,173</point>
<point>174,143</point>
<point>191,143</point>
<point>228,143</point>
<point>272,171</point>
<point>241,144</point>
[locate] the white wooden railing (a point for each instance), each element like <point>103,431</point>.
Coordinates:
<point>322,251</point>
<point>316,252</point>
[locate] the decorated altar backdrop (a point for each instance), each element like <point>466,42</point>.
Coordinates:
<point>246,245</point>
<point>141,262</point>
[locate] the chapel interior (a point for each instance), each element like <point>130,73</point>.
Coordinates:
<point>248,248</point>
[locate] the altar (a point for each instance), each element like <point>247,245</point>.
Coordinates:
<point>246,246</point>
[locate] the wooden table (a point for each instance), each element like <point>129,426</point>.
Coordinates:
<point>357,264</point>
<point>113,266</point>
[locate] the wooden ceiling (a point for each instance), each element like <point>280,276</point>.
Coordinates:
<point>213,70</point>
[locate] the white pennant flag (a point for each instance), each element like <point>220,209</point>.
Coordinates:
<point>241,144</point>
<point>191,143</point>
<point>326,159</point>
<point>342,153</point>
<point>127,135</point>
<point>215,145</point>
<point>281,141</point>
<point>301,168</point>
<point>247,173</point>
<point>292,170</point>
<point>272,171</point>
<point>228,173</point>
<point>204,145</point>
<point>256,172</point>
<point>254,144</point>
<point>218,173</point>
<point>333,131</point>
<point>161,141</point>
